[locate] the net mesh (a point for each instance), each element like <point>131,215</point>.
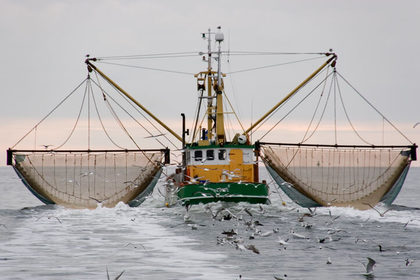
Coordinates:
<point>338,176</point>
<point>84,179</point>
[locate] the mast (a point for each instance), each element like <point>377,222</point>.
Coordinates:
<point>215,121</point>
<point>220,127</point>
<point>209,91</point>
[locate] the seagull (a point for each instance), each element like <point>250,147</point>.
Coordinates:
<point>248,212</point>
<point>204,194</point>
<point>84,174</point>
<point>240,246</point>
<point>408,262</point>
<point>155,136</point>
<point>46,146</point>
<point>303,216</point>
<point>49,217</point>
<point>230,233</point>
<point>329,260</point>
<point>252,248</point>
<point>380,214</point>
<point>406,224</point>
<point>134,246</point>
<point>298,236</point>
<point>325,239</point>
<point>116,278</point>
<point>380,248</point>
<point>369,266</point>
<point>283,242</point>
<point>265,234</point>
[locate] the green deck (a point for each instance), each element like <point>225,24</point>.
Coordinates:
<point>224,191</point>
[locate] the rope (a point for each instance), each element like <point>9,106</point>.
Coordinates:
<point>149,68</point>
<point>370,104</point>
<point>58,105</point>
<point>345,112</point>
<point>78,116</point>
<point>233,110</point>
<point>271,53</point>
<point>271,65</point>
<point>155,55</point>
<point>117,119</point>
<point>322,115</point>
<point>136,108</point>
<point>315,111</point>
<point>100,120</point>
<point>114,114</point>
<point>197,113</point>
<point>281,106</point>
<point>291,110</point>
<point>335,112</point>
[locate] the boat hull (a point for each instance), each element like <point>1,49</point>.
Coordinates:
<point>255,193</point>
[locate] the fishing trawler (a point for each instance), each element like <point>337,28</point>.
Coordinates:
<point>215,167</point>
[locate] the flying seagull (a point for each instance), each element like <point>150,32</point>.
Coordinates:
<point>46,146</point>
<point>380,214</point>
<point>155,136</point>
<point>369,266</point>
<point>116,278</point>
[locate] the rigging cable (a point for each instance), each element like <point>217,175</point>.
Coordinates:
<point>291,110</point>
<point>323,112</point>
<point>232,85</point>
<point>197,116</point>
<point>78,116</point>
<point>272,65</point>
<point>315,111</point>
<point>274,53</point>
<point>58,105</point>
<point>102,124</point>
<point>233,110</point>
<point>345,112</point>
<point>145,56</point>
<point>370,104</point>
<point>148,68</point>
<point>285,102</point>
<point>114,114</point>
<point>135,108</point>
<point>335,110</point>
<point>325,106</point>
<point>112,111</point>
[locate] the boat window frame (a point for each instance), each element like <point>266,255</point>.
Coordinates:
<point>198,157</point>
<point>209,154</point>
<point>222,154</point>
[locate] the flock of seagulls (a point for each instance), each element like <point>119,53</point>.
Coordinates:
<point>243,230</point>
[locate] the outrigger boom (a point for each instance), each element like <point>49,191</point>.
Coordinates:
<point>331,60</point>
<point>93,67</point>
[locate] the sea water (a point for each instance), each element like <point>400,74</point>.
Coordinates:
<point>214,241</point>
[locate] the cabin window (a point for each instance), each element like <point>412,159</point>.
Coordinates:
<point>222,154</point>
<point>198,155</point>
<point>210,154</point>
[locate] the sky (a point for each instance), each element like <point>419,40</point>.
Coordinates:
<point>44,44</point>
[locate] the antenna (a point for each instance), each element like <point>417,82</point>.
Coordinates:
<point>219,38</point>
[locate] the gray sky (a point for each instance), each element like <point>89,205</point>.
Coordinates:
<point>44,44</point>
